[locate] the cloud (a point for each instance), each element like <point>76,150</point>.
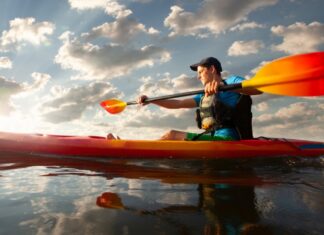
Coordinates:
<point>106,62</point>
<point>85,5</point>
<point>246,25</point>
<point>7,89</point>
<point>25,30</point>
<point>297,120</point>
<point>258,99</point>
<point>69,104</point>
<point>299,37</point>
<point>213,17</point>
<point>40,80</point>
<point>239,48</point>
<point>111,7</point>
<point>117,10</point>
<point>142,1</point>
<point>168,85</point>
<point>261,107</point>
<point>120,31</point>
<point>256,69</point>
<point>5,63</point>
<point>295,111</point>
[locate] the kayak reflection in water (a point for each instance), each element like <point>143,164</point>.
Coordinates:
<point>224,115</point>
<point>227,210</point>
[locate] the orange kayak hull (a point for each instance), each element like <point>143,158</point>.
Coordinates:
<point>100,147</point>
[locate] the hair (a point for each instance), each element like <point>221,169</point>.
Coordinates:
<point>210,65</point>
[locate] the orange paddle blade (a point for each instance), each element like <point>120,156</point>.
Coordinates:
<point>298,75</point>
<point>113,106</point>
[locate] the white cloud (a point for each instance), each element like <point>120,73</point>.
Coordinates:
<point>213,17</point>
<point>40,80</point>
<point>239,48</point>
<point>258,99</point>
<point>142,1</point>
<point>7,89</point>
<point>25,30</point>
<point>85,5</point>
<point>5,63</point>
<point>10,88</point>
<point>117,10</point>
<point>108,61</point>
<point>168,85</point>
<point>120,31</point>
<point>299,37</point>
<point>299,109</point>
<point>297,120</point>
<point>69,104</point>
<point>111,7</point>
<point>261,107</point>
<point>246,25</point>
<point>296,111</point>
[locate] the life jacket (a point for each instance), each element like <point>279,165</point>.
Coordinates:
<point>214,114</point>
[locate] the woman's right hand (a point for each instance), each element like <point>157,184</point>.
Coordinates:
<point>141,100</point>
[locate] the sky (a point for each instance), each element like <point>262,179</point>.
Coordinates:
<point>60,59</point>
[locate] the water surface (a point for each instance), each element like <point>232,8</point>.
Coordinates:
<point>51,195</point>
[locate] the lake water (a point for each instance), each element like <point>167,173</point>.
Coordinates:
<point>48,195</point>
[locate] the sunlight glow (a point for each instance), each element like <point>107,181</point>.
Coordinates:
<point>18,123</point>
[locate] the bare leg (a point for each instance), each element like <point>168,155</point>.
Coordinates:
<point>174,135</point>
<point>112,137</point>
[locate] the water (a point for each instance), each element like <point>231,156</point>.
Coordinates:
<point>48,195</point>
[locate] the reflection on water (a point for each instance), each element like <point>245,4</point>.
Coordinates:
<point>50,195</point>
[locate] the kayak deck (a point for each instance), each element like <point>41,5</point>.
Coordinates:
<point>96,146</point>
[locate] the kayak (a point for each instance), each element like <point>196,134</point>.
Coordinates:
<point>100,147</point>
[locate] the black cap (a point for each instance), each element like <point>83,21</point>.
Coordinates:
<point>207,62</point>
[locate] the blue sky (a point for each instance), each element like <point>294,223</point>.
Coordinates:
<point>60,59</point>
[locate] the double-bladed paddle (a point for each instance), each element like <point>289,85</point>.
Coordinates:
<point>297,75</point>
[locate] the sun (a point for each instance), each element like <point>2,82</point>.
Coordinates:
<point>18,123</point>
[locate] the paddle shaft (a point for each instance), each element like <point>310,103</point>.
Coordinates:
<point>165,97</point>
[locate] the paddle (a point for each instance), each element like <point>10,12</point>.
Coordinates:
<point>298,75</point>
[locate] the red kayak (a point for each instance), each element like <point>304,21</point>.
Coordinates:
<point>100,147</point>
